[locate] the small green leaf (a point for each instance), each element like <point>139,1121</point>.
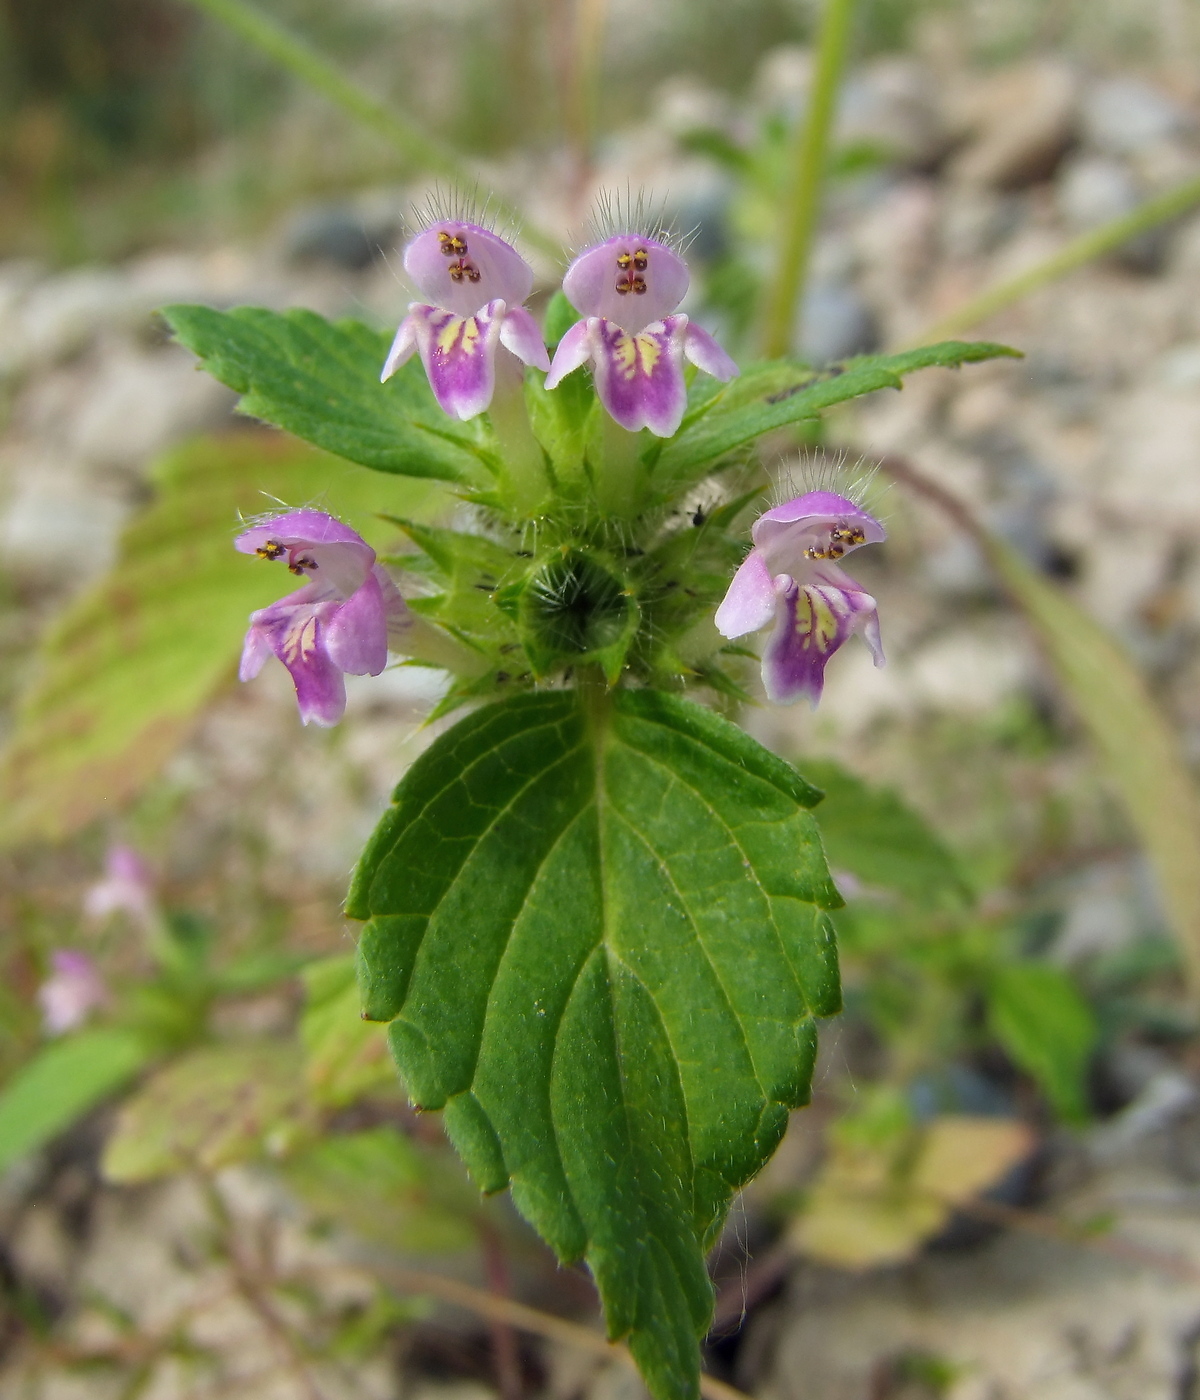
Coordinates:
<point>756,408</point>
<point>1042,1020</point>
<point>388,1190</point>
<point>212,1107</point>
<point>62,1082</point>
<point>121,677</point>
<point>320,380</point>
<point>597,924</point>
<point>871,833</point>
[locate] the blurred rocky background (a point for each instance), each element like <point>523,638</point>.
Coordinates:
<point>147,157</point>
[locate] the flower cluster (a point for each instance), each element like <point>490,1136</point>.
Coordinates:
<point>474,334</point>
<point>627,285</point>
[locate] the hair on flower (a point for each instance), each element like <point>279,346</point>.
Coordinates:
<point>455,204</point>
<point>832,472</point>
<point>614,213</point>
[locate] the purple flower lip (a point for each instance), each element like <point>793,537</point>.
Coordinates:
<point>474,283</point>
<point>335,625</point>
<point>791,582</point>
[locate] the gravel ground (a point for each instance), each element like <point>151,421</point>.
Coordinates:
<point>1085,455</point>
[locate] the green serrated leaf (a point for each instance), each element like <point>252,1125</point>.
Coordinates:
<point>320,380</point>
<point>211,1107</point>
<point>62,1082</point>
<point>1042,1020</point>
<point>871,833</point>
<point>755,408</point>
<point>597,925</point>
<point>122,675</point>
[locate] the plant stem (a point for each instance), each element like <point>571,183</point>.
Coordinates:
<point>810,158</point>
<point>303,61</point>
<point>524,463</point>
<point>249,1285</point>
<point>1075,254</point>
<point>504,1341</point>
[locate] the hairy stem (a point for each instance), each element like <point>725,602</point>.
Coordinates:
<point>1075,254</point>
<point>809,161</point>
<point>523,460</point>
<point>621,475</point>
<point>303,61</point>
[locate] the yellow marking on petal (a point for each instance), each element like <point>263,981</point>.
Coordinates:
<point>816,621</point>
<point>300,643</point>
<point>458,334</point>
<point>632,353</point>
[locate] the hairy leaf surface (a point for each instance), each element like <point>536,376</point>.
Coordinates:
<point>319,379</point>
<point>597,926</point>
<point>759,403</point>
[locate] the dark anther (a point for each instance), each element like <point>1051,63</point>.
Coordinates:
<point>452,245</point>
<point>623,260</point>
<point>462,268</point>
<point>641,260</point>
<point>271,550</point>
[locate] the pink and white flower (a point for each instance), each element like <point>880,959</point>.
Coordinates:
<point>475,284</point>
<point>790,581</point>
<point>71,993</point>
<point>336,625</point>
<point>627,288</point>
<point>127,888</point>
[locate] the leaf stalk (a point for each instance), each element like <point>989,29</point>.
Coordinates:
<point>1073,255</point>
<point>303,61</point>
<point>810,160</point>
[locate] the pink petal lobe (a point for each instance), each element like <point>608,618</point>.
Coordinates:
<point>629,280</point>
<point>461,267</point>
<point>356,634</point>
<point>519,333</point>
<point>749,605</point>
<point>706,354</point>
<point>403,348</point>
<point>574,349</point>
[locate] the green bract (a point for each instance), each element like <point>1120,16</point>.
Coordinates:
<point>595,914</point>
